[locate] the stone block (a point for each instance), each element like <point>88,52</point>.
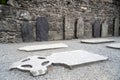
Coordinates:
<point>69,26</point>
<point>42,29</point>
<point>97,28</point>
<point>27,32</point>
<point>80,28</point>
<point>88,30</point>
<point>104,31</point>
<point>23,15</point>
<point>116,26</point>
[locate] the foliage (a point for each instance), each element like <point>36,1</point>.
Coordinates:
<point>3,1</point>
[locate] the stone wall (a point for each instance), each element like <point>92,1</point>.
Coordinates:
<point>56,12</point>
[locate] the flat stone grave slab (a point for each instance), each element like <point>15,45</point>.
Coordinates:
<point>43,47</point>
<point>37,65</point>
<point>114,45</point>
<point>97,40</point>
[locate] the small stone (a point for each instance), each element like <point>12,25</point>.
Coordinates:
<point>24,15</point>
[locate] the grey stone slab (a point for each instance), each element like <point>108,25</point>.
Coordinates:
<point>104,32</point>
<point>37,65</point>
<point>114,45</point>
<point>69,27</point>
<point>42,29</point>
<point>27,32</point>
<point>97,40</point>
<point>43,47</point>
<point>80,28</point>
<point>96,28</point>
<point>75,57</point>
<point>88,30</point>
<point>116,26</point>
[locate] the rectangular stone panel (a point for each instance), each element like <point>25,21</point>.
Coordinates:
<point>27,32</point>
<point>69,27</point>
<point>80,28</point>
<point>42,29</point>
<point>88,30</point>
<point>104,31</point>
<point>116,26</point>
<point>97,28</point>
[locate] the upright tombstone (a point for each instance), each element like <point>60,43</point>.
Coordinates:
<point>42,29</point>
<point>27,32</point>
<point>104,32</point>
<point>80,28</point>
<point>116,26</point>
<point>69,27</point>
<point>97,28</point>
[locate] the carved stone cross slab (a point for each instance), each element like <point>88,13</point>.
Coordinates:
<point>37,65</point>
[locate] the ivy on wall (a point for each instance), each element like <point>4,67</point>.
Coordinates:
<point>3,1</point>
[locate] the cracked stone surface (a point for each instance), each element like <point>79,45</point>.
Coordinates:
<point>97,40</point>
<point>43,47</point>
<point>37,65</point>
<point>114,45</point>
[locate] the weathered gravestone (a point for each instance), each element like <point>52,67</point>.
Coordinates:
<point>104,32</point>
<point>42,29</point>
<point>88,30</point>
<point>27,32</point>
<point>80,28</point>
<point>96,28</point>
<point>116,26</point>
<point>69,27</point>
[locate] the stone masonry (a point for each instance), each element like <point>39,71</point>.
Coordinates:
<point>13,16</point>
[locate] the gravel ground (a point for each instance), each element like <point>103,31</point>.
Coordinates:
<point>105,70</point>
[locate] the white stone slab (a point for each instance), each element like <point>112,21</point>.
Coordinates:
<point>97,40</point>
<point>114,45</point>
<point>43,47</point>
<point>76,57</point>
<point>37,65</point>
